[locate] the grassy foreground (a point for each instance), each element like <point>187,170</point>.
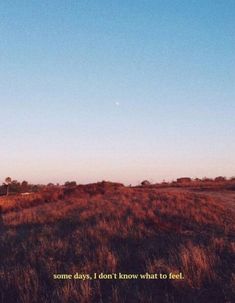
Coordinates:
<point>117,229</point>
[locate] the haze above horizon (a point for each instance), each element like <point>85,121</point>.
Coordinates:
<point>117,90</point>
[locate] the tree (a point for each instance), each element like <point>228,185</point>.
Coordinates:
<point>35,188</point>
<point>50,184</point>
<point>15,186</point>
<point>24,186</point>
<point>70,183</point>
<point>145,183</point>
<point>220,179</point>
<point>8,182</point>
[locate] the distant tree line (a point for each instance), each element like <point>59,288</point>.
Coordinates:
<point>10,186</point>
<point>188,180</point>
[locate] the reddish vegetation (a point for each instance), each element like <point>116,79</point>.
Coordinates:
<point>110,228</point>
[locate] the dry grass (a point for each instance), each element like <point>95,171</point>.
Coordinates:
<point>129,230</point>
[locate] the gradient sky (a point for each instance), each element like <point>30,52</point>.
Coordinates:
<point>117,90</point>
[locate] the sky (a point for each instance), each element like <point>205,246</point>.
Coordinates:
<point>117,90</point>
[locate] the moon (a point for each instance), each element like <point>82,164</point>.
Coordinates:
<point>117,103</point>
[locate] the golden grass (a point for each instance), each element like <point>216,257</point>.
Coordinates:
<point>128,230</point>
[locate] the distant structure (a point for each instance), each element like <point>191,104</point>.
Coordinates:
<point>183,180</point>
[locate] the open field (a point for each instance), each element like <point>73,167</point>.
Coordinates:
<point>111,228</point>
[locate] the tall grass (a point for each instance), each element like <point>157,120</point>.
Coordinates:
<point>128,230</point>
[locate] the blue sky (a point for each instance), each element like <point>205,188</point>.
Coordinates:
<point>117,90</point>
